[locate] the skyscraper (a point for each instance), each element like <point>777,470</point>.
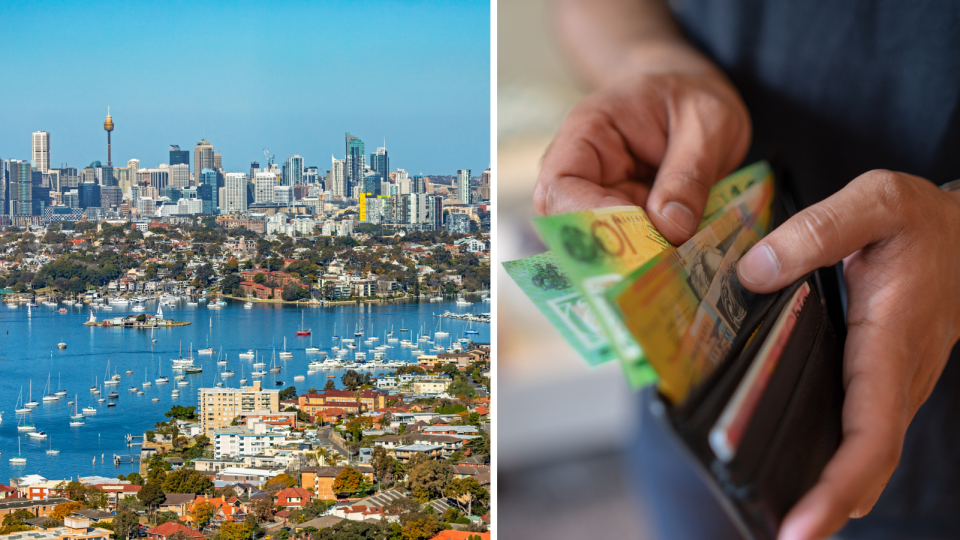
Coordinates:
<point>216,161</point>
<point>180,174</point>
<point>108,127</point>
<point>380,162</point>
<point>208,177</point>
<point>419,184</point>
<point>41,151</point>
<point>20,178</point>
<point>293,171</point>
<point>263,187</point>
<point>484,191</point>
<point>354,162</point>
<point>202,158</point>
<point>463,186</point>
<point>434,212</point>
<point>178,156</point>
<point>235,193</point>
<point>336,181</point>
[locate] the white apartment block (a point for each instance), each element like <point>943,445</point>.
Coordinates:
<point>250,440</point>
<point>235,192</point>
<point>263,185</point>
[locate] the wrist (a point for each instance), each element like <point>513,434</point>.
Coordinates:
<point>662,56</point>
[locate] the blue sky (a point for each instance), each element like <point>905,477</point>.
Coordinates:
<point>292,77</point>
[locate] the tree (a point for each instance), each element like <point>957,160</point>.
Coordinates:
<point>282,534</point>
<point>259,278</point>
<point>312,509</point>
<point>428,480</point>
<point>460,387</point>
<point>262,509</point>
<point>165,516</point>
<point>230,284</point>
<point>151,495</point>
<point>382,464</point>
<point>423,527</point>
<point>352,380</point>
<point>63,510</point>
<point>187,481</point>
<point>232,531</point>
<point>349,482</point>
<point>357,424</point>
<point>125,523</point>
<point>289,392</point>
<point>402,506</point>
<point>279,482</point>
<point>293,292</point>
<point>469,489</point>
<point>201,512</point>
<point>182,413</point>
<point>330,385</point>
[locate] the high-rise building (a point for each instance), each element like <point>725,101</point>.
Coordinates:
<point>371,183</point>
<point>419,184</point>
<point>311,175</point>
<point>283,194</point>
<point>107,176</point>
<point>180,157</point>
<point>110,196</point>
<point>380,162</point>
<point>203,158</point>
<point>179,174</point>
<point>484,190</point>
<point>217,165</point>
<point>208,177</point>
<point>263,187</point>
<point>463,186</point>
<point>20,180</point>
<point>417,212</point>
<point>89,193</point>
<point>434,212</point>
<point>159,178</point>
<point>354,163</point>
<point>41,151</point>
<point>235,193</point>
<point>293,171</point>
<point>220,406</point>
<point>336,178</point>
<point>254,169</point>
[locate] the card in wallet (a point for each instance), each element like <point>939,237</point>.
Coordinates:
<point>761,428</point>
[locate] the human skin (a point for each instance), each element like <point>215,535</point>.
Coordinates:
<point>663,125</point>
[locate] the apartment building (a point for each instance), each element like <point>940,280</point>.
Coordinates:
<point>251,439</point>
<point>220,406</point>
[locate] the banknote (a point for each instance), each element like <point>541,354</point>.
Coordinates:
<point>562,304</point>
<point>731,187</point>
<point>659,302</point>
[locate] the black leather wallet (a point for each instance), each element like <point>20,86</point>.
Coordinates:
<point>796,426</point>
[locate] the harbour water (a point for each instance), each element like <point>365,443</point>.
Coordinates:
<point>28,352</point>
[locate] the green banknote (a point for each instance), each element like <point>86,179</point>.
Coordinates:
<point>553,293</point>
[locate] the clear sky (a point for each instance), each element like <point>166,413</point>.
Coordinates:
<point>291,77</point>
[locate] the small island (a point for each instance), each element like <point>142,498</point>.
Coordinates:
<point>141,321</point>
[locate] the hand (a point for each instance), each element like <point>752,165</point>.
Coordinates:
<point>679,131</point>
<point>898,236</point>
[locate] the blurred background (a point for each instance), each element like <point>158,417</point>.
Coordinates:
<point>564,426</point>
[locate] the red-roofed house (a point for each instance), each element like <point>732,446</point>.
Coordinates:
<point>168,529</point>
<point>117,492</point>
<point>293,497</point>
<point>7,492</point>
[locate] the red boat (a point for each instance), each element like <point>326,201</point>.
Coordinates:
<point>302,331</point>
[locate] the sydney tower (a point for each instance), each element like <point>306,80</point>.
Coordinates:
<point>108,126</point>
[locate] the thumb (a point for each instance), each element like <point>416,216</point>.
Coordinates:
<point>866,211</point>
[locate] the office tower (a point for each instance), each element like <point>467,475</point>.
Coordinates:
<point>179,174</point>
<point>71,199</point>
<point>354,163</point>
<point>107,176</point>
<point>417,212</point>
<point>172,193</point>
<point>108,127</point>
<point>69,178</point>
<point>283,194</point>
<point>20,179</point>
<point>89,194</point>
<point>371,183</point>
<point>216,161</point>
<point>263,184</point>
<point>380,163</point>
<point>235,193</point>
<point>434,212</point>
<point>110,196</point>
<point>178,157</point>
<point>202,158</point>
<point>463,186</point>
<point>41,151</point>
<point>134,165</point>
<point>293,171</point>
<point>206,193</point>
<point>159,178</point>
<point>484,190</point>
<point>458,224</point>
<point>336,178</point>
<point>208,177</point>
<point>311,175</point>
<point>254,169</point>
<point>419,184</point>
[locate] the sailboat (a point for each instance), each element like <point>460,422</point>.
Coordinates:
<point>160,378</point>
<point>60,391</point>
<point>159,311</point>
<point>311,349</point>
<point>18,459</point>
<point>243,380</point>
<point>274,368</point>
<point>146,382</point>
<point>51,451</point>
<point>335,336</point>
<point>110,381</point>
<point>221,360</point>
<point>402,329</point>
<point>284,355</point>
<point>470,329</point>
<point>359,331</point>
<point>22,425</point>
<point>440,333</point>
<point>31,403</point>
<point>49,397</point>
<point>75,415</point>
<point>302,331</point>
<point>209,349</point>
<point>21,409</point>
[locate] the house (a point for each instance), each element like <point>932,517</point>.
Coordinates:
<point>293,497</point>
<point>8,492</point>
<point>404,453</point>
<point>178,503</point>
<point>463,471</point>
<point>168,529</point>
<point>320,479</point>
<point>40,508</point>
<point>94,515</point>
<point>116,492</point>
<point>74,528</point>
<point>231,509</point>
<point>318,523</point>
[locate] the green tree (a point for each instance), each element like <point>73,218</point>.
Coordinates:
<point>289,392</point>
<point>421,528</point>
<point>467,489</point>
<point>460,387</point>
<point>383,465</point>
<point>124,523</point>
<point>151,495</point>
<point>351,380</point>
<point>259,278</point>
<point>182,413</point>
<point>330,385</point>
<point>428,480</point>
<point>202,512</point>
<point>187,481</point>
<point>231,285</point>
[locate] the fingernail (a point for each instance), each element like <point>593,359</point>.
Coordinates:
<point>759,265</point>
<point>681,216</point>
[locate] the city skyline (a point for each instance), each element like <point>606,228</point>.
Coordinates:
<point>419,78</point>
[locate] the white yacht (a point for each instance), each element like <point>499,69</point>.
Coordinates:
<point>248,305</point>
<point>284,354</point>
<point>249,355</point>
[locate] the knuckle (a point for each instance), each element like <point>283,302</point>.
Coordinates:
<point>817,228</point>
<point>892,191</point>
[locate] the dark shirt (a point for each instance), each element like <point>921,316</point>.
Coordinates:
<point>836,88</point>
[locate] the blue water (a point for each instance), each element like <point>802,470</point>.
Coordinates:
<point>28,352</point>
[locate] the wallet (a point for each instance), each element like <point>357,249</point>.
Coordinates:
<point>795,427</point>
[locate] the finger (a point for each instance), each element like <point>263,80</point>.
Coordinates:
<point>868,210</point>
<point>876,411</point>
<point>590,148</point>
<point>698,154</point>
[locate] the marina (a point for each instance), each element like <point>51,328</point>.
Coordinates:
<point>239,336</point>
